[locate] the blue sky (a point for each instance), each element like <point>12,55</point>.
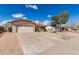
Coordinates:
<point>38,12</point>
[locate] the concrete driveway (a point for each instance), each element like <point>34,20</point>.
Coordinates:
<point>37,42</point>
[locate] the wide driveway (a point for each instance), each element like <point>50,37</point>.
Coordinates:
<point>37,42</point>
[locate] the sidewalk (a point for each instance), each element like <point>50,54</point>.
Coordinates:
<point>9,45</point>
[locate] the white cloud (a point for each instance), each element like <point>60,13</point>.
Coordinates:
<point>49,16</point>
<point>18,15</point>
<point>35,7</point>
<point>37,22</point>
<point>4,22</point>
<point>46,22</point>
<point>24,18</point>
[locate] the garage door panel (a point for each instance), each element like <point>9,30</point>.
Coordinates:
<point>25,29</point>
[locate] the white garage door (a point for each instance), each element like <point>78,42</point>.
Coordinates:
<point>25,29</point>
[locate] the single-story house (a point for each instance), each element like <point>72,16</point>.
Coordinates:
<point>23,25</point>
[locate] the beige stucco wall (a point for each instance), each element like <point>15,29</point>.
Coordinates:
<point>14,29</point>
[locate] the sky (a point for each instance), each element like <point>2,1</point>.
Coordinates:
<point>37,12</point>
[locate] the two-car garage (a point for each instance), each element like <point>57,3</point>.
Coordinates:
<point>22,25</point>
<point>25,29</point>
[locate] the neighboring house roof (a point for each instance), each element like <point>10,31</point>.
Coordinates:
<point>40,24</point>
